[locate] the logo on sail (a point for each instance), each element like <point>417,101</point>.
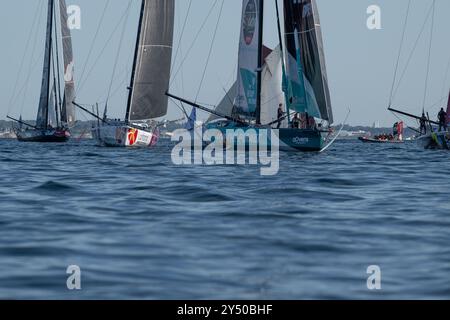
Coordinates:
<point>249,22</point>
<point>68,75</point>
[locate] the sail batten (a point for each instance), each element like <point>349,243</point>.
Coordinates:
<point>68,109</point>
<point>151,73</point>
<point>306,69</point>
<point>42,116</point>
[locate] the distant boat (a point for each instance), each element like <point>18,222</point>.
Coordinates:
<point>395,138</point>
<point>149,81</point>
<point>56,112</point>
<point>296,78</point>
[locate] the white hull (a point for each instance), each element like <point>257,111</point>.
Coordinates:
<point>438,140</point>
<point>124,136</point>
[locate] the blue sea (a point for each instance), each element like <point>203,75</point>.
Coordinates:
<point>140,227</point>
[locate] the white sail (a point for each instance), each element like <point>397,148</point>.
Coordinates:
<point>272,94</point>
<point>249,45</point>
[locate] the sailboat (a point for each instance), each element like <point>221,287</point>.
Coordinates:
<point>56,112</point>
<point>295,79</point>
<point>149,81</point>
<point>428,138</point>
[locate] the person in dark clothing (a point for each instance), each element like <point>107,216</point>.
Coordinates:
<point>296,122</point>
<point>280,115</point>
<point>442,116</point>
<point>423,124</point>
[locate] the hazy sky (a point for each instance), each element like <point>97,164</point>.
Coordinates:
<point>360,62</point>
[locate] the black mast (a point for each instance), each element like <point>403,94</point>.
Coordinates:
<point>260,61</point>
<point>136,54</point>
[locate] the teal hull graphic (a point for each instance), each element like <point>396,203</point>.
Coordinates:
<point>302,140</point>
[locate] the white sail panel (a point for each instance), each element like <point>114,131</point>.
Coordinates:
<point>246,98</point>
<point>272,82</point>
<point>226,105</point>
<point>154,58</point>
<point>68,109</point>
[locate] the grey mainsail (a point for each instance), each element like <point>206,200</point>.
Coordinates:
<point>305,58</point>
<point>151,72</point>
<point>42,116</point>
<point>68,109</point>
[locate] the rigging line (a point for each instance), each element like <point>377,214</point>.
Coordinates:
<point>193,42</point>
<point>182,32</point>
<point>118,51</point>
<point>413,51</point>
<point>82,84</point>
<point>13,96</point>
<point>95,39</point>
<point>400,52</point>
<point>210,51</point>
<point>429,56</point>
<point>444,85</point>
<point>32,65</point>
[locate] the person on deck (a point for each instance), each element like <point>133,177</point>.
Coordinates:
<point>442,116</point>
<point>423,124</point>
<point>280,115</point>
<point>296,122</point>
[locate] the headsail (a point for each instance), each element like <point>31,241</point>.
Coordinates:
<point>68,109</point>
<point>272,83</point>
<point>226,106</point>
<point>306,70</point>
<point>42,116</point>
<point>249,45</point>
<point>52,121</point>
<point>151,73</point>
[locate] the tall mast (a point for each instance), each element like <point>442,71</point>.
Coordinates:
<point>136,54</point>
<point>283,65</point>
<point>260,61</point>
<point>49,61</point>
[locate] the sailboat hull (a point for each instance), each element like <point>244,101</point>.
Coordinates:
<point>124,136</point>
<point>44,136</point>
<point>436,140</point>
<point>290,140</point>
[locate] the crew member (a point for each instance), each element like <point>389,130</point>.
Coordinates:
<point>442,116</point>
<point>423,124</point>
<point>280,115</point>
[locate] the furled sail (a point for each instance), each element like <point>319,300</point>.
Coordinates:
<point>151,74</point>
<point>68,109</point>
<point>249,45</point>
<point>42,116</point>
<point>305,60</point>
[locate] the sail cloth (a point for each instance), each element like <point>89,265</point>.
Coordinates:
<point>225,106</point>
<point>52,121</point>
<point>272,83</point>
<point>448,110</point>
<point>249,45</point>
<point>42,116</point>
<point>68,109</point>
<point>305,60</point>
<point>154,58</point>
